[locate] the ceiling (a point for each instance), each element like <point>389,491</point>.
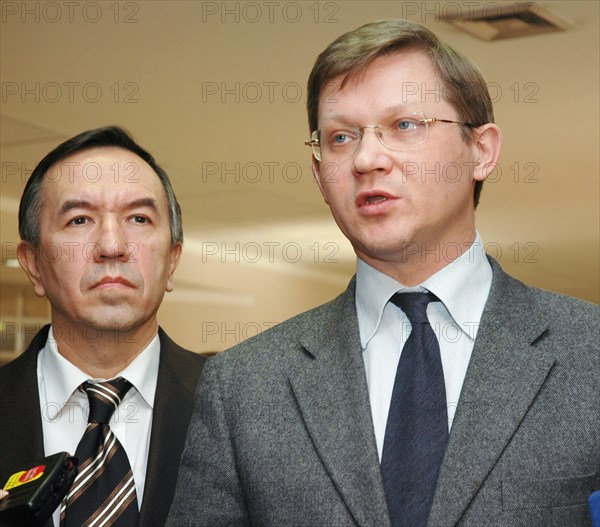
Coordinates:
<point>216,91</point>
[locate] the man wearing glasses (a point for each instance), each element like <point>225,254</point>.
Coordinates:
<point>435,391</point>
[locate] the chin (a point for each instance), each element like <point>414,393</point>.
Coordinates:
<point>113,324</point>
<point>380,245</point>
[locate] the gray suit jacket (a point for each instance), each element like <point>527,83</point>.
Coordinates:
<point>21,438</point>
<point>282,432</point>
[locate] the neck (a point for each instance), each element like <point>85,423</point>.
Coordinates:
<point>416,262</point>
<point>102,354</point>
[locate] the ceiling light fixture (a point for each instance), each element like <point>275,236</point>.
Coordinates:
<point>494,21</point>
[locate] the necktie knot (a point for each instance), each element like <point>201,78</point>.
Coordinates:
<point>414,305</point>
<point>104,398</point>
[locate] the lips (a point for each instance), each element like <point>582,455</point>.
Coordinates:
<point>374,199</point>
<point>108,281</point>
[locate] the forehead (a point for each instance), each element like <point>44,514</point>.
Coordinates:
<point>102,171</point>
<point>404,78</point>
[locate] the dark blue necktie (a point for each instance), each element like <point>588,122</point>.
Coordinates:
<point>417,427</point>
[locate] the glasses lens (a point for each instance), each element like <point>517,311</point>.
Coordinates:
<point>398,133</point>
<point>404,132</point>
<point>338,142</point>
<point>316,144</point>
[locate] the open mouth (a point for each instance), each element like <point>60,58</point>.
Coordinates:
<point>375,202</point>
<point>375,199</point>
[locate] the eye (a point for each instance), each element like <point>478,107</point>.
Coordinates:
<point>79,220</point>
<point>141,220</point>
<point>406,125</point>
<point>340,137</point>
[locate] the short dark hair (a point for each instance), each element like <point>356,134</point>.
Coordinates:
<point>354,51</point>
<point>31,200</point>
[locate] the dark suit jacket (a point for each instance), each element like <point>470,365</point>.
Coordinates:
<point>21,439</point>
<point>282,433</point>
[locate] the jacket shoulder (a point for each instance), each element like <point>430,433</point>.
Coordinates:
<point>574,322</point>
<point>315,320</point>
<point>12,375</point>
<point>517,302</point>
<point>184,364</point>
<point>282,341</point>
<point>564,306</point>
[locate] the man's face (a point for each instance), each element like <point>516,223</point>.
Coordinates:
<point>428,188</point>
<point>105,257</point>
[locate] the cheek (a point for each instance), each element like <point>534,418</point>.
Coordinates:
<point>341,206</point>
<point>153,264</point>
<point>147,251</point>
<point>339,190</point>
<point>443,182</point>
<point>62,282</point>
<point>60,269</point>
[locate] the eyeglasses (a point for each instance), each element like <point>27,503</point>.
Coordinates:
<point>336,142</point>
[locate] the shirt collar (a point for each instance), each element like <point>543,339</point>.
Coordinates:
<point>463,287</point>
<point>373,290</point>
<point>143,371</point>
<point>61,377</point>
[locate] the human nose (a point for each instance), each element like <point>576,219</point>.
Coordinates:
<point>371,154</point>
<point>111,243</point>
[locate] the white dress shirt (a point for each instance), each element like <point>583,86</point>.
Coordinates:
<point>64,408</point>
<point>462,286</point>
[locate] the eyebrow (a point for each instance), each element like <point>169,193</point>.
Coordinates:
<point>71,204</point>
<point>74,204</point>
<point>143,202</point>
<point>395,109</point>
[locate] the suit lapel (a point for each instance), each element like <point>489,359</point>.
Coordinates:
<point>331,390</point>
<point>504,376</point>
<point>21,435</point>
<point>20,406</point>
<point>173,405</point>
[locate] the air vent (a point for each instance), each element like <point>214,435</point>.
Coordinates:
<point>494,21</point>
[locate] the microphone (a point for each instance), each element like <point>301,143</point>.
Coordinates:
<point>594,508</point>
<point>35,490</point>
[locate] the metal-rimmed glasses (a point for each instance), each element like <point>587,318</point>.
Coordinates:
<point>339,141</point>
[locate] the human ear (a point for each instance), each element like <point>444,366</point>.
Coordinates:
<point>28,256</point>
<point>174,257</point>
<point>487,143</point>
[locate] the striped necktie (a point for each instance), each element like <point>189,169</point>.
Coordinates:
<point>417,427</point>
<point>103,493</point>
